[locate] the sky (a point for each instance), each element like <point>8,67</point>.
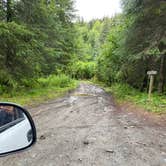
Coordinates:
<point>89,9</point>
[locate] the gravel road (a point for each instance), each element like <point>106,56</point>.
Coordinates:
<point>86,129</point>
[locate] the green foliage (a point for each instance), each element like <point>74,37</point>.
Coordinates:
<point>52,22</point>
<point>41,91</point>
<point>134,45</point>
<point>111,56</point>
<point>149,14</point>
<point>37,39</point>
<point>17,53</point>
<point>91,36</point>
<point>60,81</point>
<point>2,13</point>
<point>143,39</point>
<point>83,70</point>
<point>124,92</point>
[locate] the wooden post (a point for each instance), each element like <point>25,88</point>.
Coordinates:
<point>151,86</point>
<point>151,74</point>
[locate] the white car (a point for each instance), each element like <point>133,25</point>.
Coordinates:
<point>17,134</point>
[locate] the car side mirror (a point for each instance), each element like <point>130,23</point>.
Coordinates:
<point>17,129</point>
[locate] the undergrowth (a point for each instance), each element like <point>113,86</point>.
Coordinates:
<point>44,89</point>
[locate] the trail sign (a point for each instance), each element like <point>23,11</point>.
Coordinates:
<point>151,73</point>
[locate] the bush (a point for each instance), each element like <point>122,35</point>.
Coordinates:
<point>83,70</point>
<point>125,92</point>
<point>60,81</point>
<point>56,81</point>
<point>7,83</point>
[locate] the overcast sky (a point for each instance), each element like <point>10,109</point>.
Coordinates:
<point>89,9</point>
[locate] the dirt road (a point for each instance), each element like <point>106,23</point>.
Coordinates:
<point>85,129</point>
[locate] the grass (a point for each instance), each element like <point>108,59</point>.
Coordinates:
<point>46,88</point>
<point>125,93</point>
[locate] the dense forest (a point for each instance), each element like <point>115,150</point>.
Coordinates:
<point>128,45</point>
<point>39,38</point>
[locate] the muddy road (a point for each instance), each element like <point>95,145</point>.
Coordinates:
<point>86,129</point>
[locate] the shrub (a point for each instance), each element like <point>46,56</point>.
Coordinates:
<point>83,70</point>
<point>60,81</point>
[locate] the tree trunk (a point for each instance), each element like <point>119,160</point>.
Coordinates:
<point>8,19</point>
<point>161,74</point>
<point>9,11</point>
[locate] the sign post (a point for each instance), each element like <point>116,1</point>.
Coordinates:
<point>151,75</point>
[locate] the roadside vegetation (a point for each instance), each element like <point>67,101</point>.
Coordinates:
<point>123,93</point>
<point>42,90</point>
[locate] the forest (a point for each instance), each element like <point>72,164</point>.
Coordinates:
<point>44,43</point>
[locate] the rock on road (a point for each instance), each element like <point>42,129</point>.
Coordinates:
<point>86,129</point>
